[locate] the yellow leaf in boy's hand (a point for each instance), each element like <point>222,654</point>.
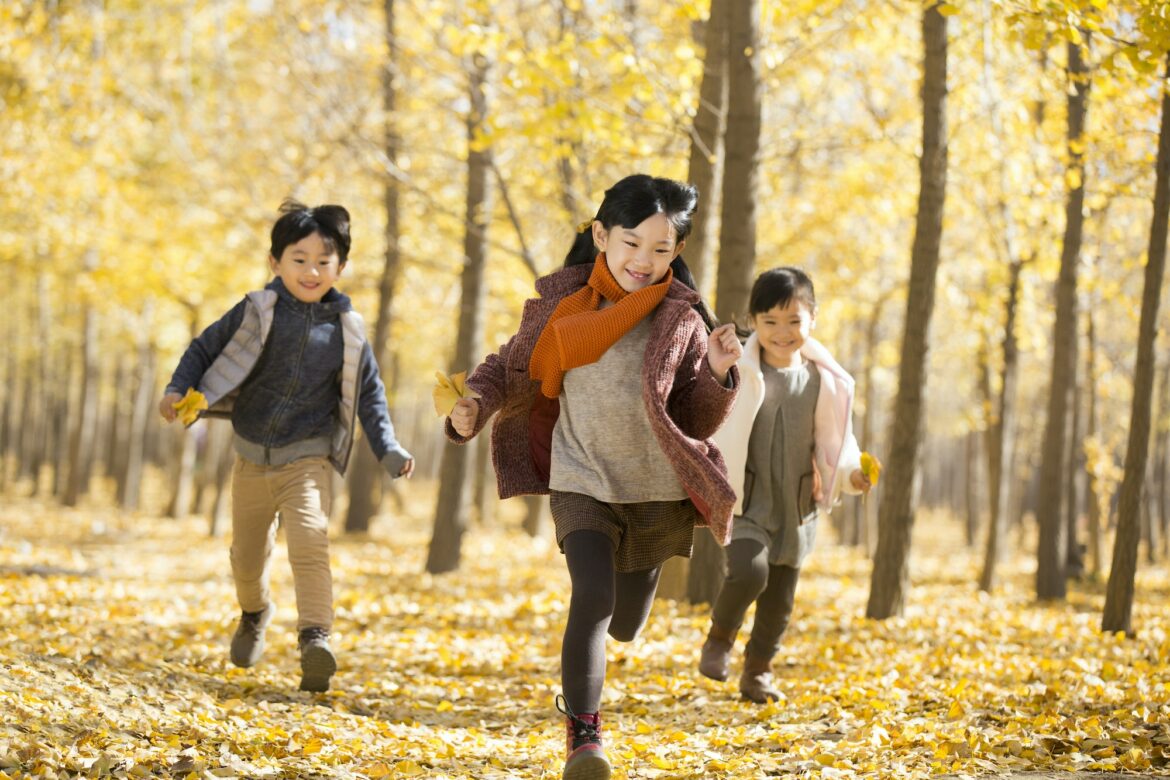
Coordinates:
<point>871,468</point>
<point>190,405</point>
<point>448,390</point>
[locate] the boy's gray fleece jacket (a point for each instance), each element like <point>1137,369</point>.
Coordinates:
<point>292,376</point>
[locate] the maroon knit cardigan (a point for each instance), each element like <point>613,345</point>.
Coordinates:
<point>685,402</point>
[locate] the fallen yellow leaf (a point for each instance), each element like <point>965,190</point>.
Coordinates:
<point>448,390</point>
<point>190,405</point>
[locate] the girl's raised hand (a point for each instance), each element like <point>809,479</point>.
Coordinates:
<point>464,415</point>
<point>723,350</point>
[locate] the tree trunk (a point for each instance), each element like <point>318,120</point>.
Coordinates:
<point>60,429</point>
<point>1119,593</point>
<point>896,517</point>
<point>870,421</point>
<point>737,230</point>
<point>484,482</point>
<point>1051,547</point>
<point>1074,551</point>
<point>454,485</point>
<point>131,482</point>
<point>81,439</point>
<point>1149,527</point>
<point>1002,438</point>
<point>1096,532</point>
<point>366,476</point>
<point>535,514</point>
<point>972,490</point>
<point>705,169</point>
<point>1162,455</point>
<point>220,453</point>
<point>40,445</point>
<point>9,431</point>
<point>182,470</point>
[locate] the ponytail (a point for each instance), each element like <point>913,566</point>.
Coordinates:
<point>583,250</point>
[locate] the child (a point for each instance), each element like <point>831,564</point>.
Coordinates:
<point>607,396</point>
<point>291,367</point>
<point>790,428</point>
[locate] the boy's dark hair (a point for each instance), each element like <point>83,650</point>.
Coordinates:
<point>631,202</point>
<point>298,220</point>
<point>778,286</point>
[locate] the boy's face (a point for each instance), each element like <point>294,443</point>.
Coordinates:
<point>638,257</point>
<point>782,331</point>
<point>308,268</point>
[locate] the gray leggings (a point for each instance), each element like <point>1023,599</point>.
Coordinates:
<point>602,600</point>
<point>751,578</point>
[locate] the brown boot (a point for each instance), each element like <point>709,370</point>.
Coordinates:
<point>756,683</point>
<point>716,653</point>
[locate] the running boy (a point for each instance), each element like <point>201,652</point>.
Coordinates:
<point>291,367</point>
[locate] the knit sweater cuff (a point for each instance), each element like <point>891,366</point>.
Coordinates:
<point>394,460</point>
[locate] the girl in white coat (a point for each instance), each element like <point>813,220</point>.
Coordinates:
<point>790,454</point>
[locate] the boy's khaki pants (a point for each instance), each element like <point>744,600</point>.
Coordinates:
<point>301,492</point>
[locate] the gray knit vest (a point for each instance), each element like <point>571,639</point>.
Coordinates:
<point>221,383</point>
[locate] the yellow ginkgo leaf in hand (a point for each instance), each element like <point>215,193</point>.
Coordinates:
<point>448,390</point>
<point>190,405</point>
<point>871,467</point>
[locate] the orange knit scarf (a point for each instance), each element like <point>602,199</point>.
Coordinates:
<point>578,332</point>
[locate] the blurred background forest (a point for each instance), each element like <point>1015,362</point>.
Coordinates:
<point>147,145</point>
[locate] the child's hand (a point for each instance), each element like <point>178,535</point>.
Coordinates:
<point>464,415</point>
<point>407,469</point>
<point>860,481</point>
<point>723,350</point>
<point>166,407</point>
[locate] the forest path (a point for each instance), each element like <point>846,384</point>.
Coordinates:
<point>113,662</point>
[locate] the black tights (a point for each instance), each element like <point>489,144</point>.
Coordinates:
<point>751,578</point>
<point>603,600</point>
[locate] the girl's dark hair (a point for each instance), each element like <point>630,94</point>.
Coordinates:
<point>298,220</point>
<point>778,287</point>
<point>631,202</point>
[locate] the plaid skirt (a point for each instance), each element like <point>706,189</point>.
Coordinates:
<point>644,535</point>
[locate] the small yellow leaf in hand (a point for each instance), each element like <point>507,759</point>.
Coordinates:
<point>190,405</point>
<point>871,467</point>
<point>448,390</point>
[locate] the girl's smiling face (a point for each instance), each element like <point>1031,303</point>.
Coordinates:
<point>309,268</point>
<point>639,256</point>
<point>782,331</point>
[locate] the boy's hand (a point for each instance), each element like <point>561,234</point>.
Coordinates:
<point>464,415</point>
<point>723,349</point>
<point>860,481</point>
<point>166,407</point>
<point>407,469</point>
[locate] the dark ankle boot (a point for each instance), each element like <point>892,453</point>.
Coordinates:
<point>584,756</point>
<point>317,660</point>
<point>716,653</point>
<point>756,683</point>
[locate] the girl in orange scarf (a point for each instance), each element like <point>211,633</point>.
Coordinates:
<point>607,396</point>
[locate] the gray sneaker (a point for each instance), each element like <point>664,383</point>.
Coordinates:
<point>317,660</point>
<point>248,641</point>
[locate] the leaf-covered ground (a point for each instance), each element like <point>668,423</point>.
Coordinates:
<point>113,662</point>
